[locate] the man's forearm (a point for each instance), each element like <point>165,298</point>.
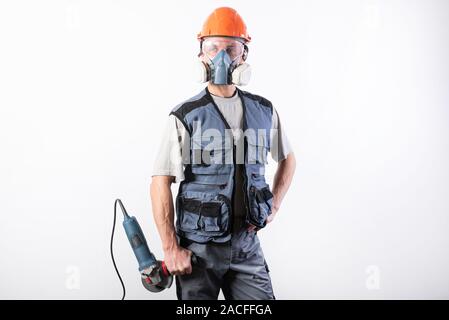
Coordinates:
<point>282,179</point>
<point>163,211</point>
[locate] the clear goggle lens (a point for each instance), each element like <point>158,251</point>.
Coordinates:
<point>212,46</point>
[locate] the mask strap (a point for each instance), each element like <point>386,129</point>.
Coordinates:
<point>245,52</point>
<point>201,48</point>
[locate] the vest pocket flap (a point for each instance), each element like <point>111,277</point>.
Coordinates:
<point>206,209</point>
<point>266,193</point>
<point>211,209</point>
<point>212,169</point>
<point>203,217</point>
<point>256,170</point>
<point>192,205</point>
<point>205,144</point>
<point>211,180</point>
<point>259,141</point>
<point>260,205</point>
<point>261,195</point>
<point>205,157</point>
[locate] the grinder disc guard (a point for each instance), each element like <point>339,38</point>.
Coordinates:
<point>164,284</point>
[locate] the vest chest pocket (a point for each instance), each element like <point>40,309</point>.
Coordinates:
<point>257,149</point>
<point>205,153</point>
<point>210,180</point>
<point>203,217</point>
<point>261,201</point>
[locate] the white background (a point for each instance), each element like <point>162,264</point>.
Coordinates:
<point>362,88</point>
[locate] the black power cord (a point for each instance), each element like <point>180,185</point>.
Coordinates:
<point>112,241</point>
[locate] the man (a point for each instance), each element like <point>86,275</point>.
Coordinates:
<point>216,148</point>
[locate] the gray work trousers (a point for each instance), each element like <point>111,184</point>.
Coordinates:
<point>237,267</point>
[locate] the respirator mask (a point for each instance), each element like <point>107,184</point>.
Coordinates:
<point>223,57</point>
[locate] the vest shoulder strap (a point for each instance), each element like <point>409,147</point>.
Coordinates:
<point>259,99</point>
<point>182,109</point>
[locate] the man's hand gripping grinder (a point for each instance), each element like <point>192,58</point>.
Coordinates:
<point>154,273</point>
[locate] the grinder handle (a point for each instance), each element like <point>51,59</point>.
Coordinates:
<point>167,273</point>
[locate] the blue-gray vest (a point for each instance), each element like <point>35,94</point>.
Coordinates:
<point>205,197</point>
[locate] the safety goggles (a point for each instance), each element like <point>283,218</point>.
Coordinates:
<point>213,45</point>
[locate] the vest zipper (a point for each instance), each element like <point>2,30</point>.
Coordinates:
<point>245,155</point>
<point>245,180</point>
<point>231,209</point>
<point>245,198</point>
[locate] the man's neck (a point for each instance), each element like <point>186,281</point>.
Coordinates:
<point>225,91</point>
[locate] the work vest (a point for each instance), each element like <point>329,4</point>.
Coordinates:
<point>204,201</point>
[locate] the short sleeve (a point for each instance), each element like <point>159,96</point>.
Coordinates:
<point>169,159</point>
<point>280,146</point>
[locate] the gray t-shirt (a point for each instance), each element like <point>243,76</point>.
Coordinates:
<point>169,161</point>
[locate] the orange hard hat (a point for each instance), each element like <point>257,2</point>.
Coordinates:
<point>226,22</point>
